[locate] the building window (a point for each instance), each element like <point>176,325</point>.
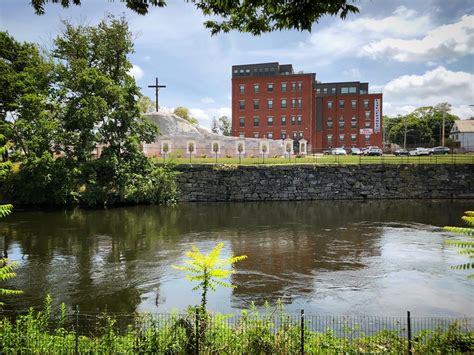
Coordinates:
<point>269,121</point>
<point>318,91</point>
<point>241,135</point>
<point>341,137</point>
<point>300,102</point>
<point>362,91</point>
<point>353,122</point>
<point>283,103</point>
<point>341,124</point>
<point>354,103</point>
<point>367,137</point>
<point>283,120</point>
<point>242,89</point>
<point>256,88</point>
<point>294,135</point>
<point>256,104</point>
<point>270,103</point>
<point>341,103</point>
<point>300,86</point>
<point>329,104</point>
<point>329,124</point>
<point>325,90</point>
<point>242,104</point>
<point>352,90</point>
<point>353,137</point>
<point>366,103</point>
<point>283,87</point>
<point>270,135</point>
<point>283,135</point>
<point>299,120</point>
<point>301,135</point>
<point>293,103</point>
<point>235,71</point>
<point>367,115</point>
<point>367,124</point>
<point>333,90</point>
<point>293,86</point>
<point>242,121</point>
<point>256,121</point>
<point>255,134</point>
<point>344,90</point>
<point>329,138</point>
<point>292,120</point>
<point>270,87</point>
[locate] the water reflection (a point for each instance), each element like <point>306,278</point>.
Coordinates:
<point>324,256</point>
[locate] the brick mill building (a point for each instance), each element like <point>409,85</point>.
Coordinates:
<point>271,101</point>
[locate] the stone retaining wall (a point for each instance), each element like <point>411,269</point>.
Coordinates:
<point>308,182</point>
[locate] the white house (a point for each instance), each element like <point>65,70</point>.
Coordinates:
<point>463,132</point>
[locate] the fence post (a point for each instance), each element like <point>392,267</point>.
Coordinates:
<point>409,332</point>
<point>196,344</point>
<point>77,331</point>
<point>302,332</point>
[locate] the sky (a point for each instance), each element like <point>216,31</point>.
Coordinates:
<point>417,52</point>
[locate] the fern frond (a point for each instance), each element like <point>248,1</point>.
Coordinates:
<point>5,210</point>
<point>460,230</point>
<point>465,266</point>
<point>469,220</point>
<point>460,243</point>
<point>467,252</point>
<point>469,213</point>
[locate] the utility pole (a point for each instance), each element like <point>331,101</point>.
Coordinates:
<point>442,130</point>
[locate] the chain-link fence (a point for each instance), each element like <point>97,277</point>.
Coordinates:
<point>249,333</point>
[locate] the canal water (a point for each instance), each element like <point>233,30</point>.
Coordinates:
<point>326,257</point>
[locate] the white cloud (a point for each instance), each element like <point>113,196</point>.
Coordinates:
<point>345,38</point>
<point>406,92</point>
<point>204,116</point>
<point>447,42</point>
<point>352,73</point>
<point>207,100</point>
<point>136,72</point>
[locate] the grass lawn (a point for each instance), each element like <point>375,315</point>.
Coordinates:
<point>327,160</point>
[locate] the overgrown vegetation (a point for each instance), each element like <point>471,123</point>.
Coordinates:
<point>209,270</point>
<point>73,121</point>
<point>466,247</point>
<point>269,332</point>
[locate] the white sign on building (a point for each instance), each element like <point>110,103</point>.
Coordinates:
<point>377,115</point>
<point>365,131</point>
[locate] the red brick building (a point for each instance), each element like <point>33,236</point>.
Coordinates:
<point>270,100</point>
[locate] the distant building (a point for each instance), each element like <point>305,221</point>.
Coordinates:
<point>463,133</point>
<point>272,101</point>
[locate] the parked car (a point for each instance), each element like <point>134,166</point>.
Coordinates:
<point>400,152</point>
<point>420,151</point>
<point>374,151</point>
<point>338,151</point>
<point>356,151</point>
<point>440,150</point>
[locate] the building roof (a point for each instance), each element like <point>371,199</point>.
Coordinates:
<point>464,126</point>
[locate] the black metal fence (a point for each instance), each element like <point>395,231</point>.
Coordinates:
<point>198,333</point>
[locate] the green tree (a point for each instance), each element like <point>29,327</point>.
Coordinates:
<point>183,112</point>
<point>208,270</point>
<point>255,17</point>
<point>98,96</point>
<point>422,126</point>
<point>466,247</point>
<point>27,115</point>
<point>145,104</point>
<point>225,126</point>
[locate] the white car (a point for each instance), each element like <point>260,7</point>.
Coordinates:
<point>338,151</point>
<point>420,151</point>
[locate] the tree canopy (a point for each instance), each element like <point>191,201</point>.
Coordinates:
<point>183,112</point>
<point>422,126</point>
<point>255,16</point>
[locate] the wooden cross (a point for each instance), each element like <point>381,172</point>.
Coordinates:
<point>157,88</point>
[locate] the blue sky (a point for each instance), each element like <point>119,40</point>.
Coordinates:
<point>416,52</point>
